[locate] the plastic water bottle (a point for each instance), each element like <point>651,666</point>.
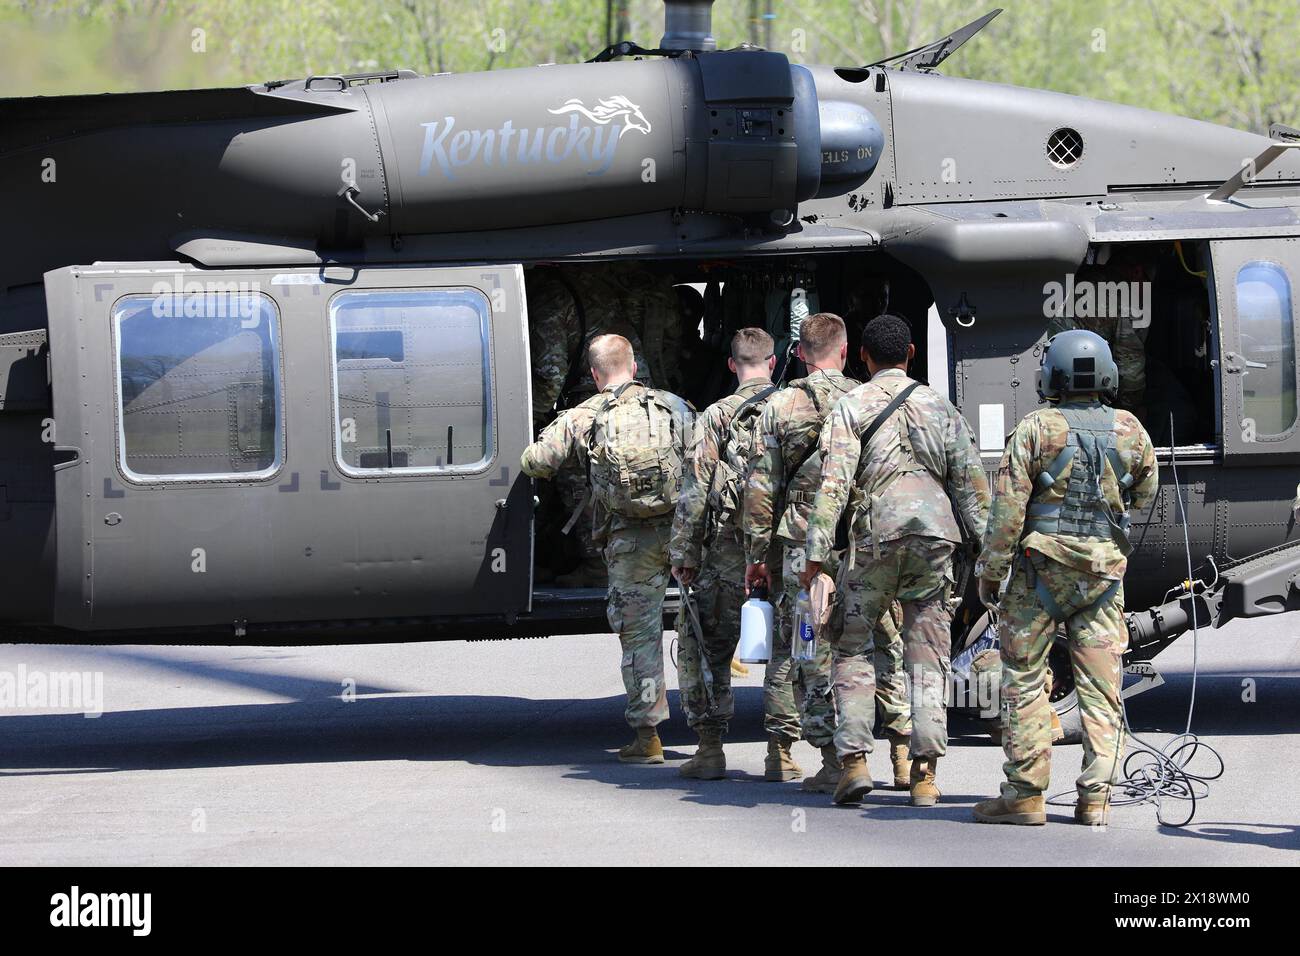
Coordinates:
<point>755,645</point>
<point>804,638</point>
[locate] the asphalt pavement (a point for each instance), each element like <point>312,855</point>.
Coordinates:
<point>502,753</point>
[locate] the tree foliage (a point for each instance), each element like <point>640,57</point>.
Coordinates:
<point>1227,61</point>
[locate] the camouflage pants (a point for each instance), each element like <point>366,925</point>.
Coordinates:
<point>916,572</point>
<point>797,696</point>
<point>571,482</point>
<point>893,709</point>
<point>1096,638</point>
<point>718,592</point>
<point>638,563</point>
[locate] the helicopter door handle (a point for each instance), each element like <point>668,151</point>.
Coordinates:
<point>350,192</point>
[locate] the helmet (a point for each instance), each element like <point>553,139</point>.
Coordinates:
<point>1075,362</point>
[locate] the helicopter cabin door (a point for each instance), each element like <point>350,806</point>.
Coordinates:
<point>1255,291</point>
<point>307,445</point>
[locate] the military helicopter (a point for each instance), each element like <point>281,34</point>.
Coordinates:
<point>265,351</point>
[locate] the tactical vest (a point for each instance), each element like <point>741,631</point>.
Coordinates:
<point>735,459</point>
<point>634,453</point>
<point>1084,512</point>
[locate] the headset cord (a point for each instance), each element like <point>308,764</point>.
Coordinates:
<point>1158,773</point>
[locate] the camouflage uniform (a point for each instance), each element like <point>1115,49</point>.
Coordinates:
<point>719,590</point>
<point>902,490</point>
<point>635,552</point>
<point>1077,573</point>
<point>789,425</point>
<point>555,337</point>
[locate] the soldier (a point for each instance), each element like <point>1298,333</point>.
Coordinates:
<point>569,308</point>
<point>707,550</point>
<point>1125,331</point>
<point>901,458</point>
<point>778,497</point>
<point>1059,525</point>
<point>631,441</point>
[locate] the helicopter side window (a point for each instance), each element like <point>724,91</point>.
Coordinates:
<point>1268,382</point>
<point>412,380</point>
<point>198,386</point>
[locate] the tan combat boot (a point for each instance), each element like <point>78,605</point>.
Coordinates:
<point>924,792</point>
<point>779,765</point>
<point>709,762</point>
<point>1093,810</point>
<point>1023,811</point>
<point>898,758</point>
<point>645,749</point>
<point>855,779</point>
<point>828,777</point>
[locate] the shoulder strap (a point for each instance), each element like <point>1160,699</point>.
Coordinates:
<point>888,410</point>
<point>747,403</point>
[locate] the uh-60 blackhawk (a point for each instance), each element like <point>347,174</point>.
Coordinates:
<point>265,364</point>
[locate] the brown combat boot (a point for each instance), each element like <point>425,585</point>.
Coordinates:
<point>1023,811</point>
<point>898,758</point>
<point>779,765</point>
<point>1092,810</point>
<point>709,762</point>
<point>645,749</point>
<point>855,779</point>
<point>828,777</point>
<point>924,792</point>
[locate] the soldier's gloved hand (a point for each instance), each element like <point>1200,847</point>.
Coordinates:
<point>685,576</point>
<point>756,574</point>
<point>988,593</point>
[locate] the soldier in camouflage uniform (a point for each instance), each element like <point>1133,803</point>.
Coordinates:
<point>1068,478</point>
<point>901,487</point>
<point>797,696</point>
<point>558,333</point>
<point>645,434</point>
<point>707,552</point>
<point>1125,331</point>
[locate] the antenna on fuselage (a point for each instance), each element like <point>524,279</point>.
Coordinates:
<point>932,54</point>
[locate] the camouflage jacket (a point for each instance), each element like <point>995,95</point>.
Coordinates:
<point>713,435</point>
<point>565,439</point>
<point>791,423</point>
<point>556,334</point>
<point>921,465</point>
<point>1031,449</point>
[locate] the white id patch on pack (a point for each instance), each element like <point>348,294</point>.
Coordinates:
<point>992,427</point>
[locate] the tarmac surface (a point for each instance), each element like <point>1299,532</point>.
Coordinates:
<point>502,753</point>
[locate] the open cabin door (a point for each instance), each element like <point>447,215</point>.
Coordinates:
<point>255,447</point>
<point>1255,294</point>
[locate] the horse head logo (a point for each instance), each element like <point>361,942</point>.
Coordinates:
<point>608,110</point>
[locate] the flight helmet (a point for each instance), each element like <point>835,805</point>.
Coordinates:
<point>1075,362</point>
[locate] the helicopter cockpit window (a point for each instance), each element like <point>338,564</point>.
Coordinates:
<point>198,386</point>
<point>1268,379</point>
<point>412,380</point>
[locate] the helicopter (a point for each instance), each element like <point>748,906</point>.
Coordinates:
<point>265,359</point>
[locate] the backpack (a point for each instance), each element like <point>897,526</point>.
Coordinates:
<point>635,452</point>
<point>735,459</point>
